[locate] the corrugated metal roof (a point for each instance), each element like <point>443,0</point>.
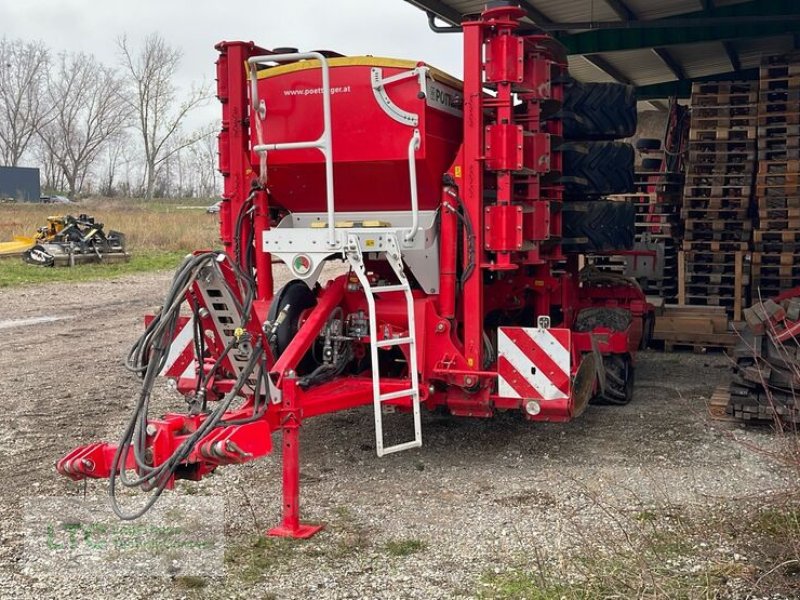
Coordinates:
<point>583,70</point>
<point>574,11</point>
<point>466,7</point>
<point>702,60</point>
<point>750,51</point>
<point>595,10</point>
<point>643,66</point>
<point>640,67</point>
<point>647,9</point>
<point>728,2</point>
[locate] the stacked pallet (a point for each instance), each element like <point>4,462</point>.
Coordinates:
<point>656,200</point>
<point>776,241</point>
<point>658,224</point>
<point>766,377</point>
<point>695,327</point>
<point>717,195</point>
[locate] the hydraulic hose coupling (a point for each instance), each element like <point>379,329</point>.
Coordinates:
<point>240,336</point>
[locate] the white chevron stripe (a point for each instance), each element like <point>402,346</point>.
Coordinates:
<point>504,388</point>
<point>522,363</point>
<point>550,346</point>
<point>190,371</point>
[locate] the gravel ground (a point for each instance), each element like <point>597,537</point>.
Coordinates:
<point>481,497</point>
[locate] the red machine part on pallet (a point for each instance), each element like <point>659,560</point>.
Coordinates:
<point>486,164</point>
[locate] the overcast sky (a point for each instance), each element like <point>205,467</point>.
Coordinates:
<point>391,28</point>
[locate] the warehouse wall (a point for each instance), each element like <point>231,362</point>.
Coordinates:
<point>17,183</point>
<point>652,124</point>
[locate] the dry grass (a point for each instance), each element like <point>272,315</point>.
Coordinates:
<point>157,226</point>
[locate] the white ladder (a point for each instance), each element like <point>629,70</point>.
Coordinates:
<point>394,257</point>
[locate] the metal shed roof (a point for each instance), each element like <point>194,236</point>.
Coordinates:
<point>659,46</point>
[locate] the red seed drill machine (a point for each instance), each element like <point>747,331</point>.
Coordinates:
<point>446,203</point>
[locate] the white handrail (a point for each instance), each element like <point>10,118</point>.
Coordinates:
<point>413,146</point>
<point>324,143</point>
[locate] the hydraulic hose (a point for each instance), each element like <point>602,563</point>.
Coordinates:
<point>148,357</point>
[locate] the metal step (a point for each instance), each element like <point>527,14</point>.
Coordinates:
<point>401,341</point>
<point>401,447</point>
<point>389,288</point>
<point>396,395</point>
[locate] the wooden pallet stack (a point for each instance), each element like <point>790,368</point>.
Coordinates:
<point>776,241</point>
<point>658,223</point>
<point>695,327</point>
<point>714,265</point>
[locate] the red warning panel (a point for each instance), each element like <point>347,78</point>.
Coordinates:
<point>533,363</point>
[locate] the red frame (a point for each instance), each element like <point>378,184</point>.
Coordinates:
<point>519,264</point>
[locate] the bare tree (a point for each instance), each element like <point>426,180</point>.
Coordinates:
<point>88,111</point>
<point>192,171</point>
<point>116,156</point>
<point>158,114</point>
<point>51,174</point>
<point>204,161</point>
<point>22,112</point>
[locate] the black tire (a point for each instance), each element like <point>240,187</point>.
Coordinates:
<point>38,255</point>
<point>597,168</point>
<point>648,144</point>
<point>618,388</point>
<point>615,319</point>
<point>651,164</point>
<point>598,111</point>
<point>598,226</point>
<point>297,295</point>
<point>619,381</point>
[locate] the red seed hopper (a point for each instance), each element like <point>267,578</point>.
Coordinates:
<point>375,101</point>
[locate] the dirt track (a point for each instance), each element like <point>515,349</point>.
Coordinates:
<point>480,497</point>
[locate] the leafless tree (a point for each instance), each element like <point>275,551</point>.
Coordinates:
<point>23,66</point>
<point>51,174</point>
<point>192,171</point>
<point>117,155</point>
<point>158,113</point>
<point>88,112</point>
<point>204,161</point>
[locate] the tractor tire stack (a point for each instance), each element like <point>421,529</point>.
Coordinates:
<point>776,241</point>
<point>717,195</point>
<point>596,166</point>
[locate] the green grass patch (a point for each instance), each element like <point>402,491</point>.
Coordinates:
<point>646,516</point>
<point>14,272</point>
<point>405,547</point>
<point>779,522</point>
<point>664,553</point>
<point>251,559</point>
<point>524,585</point>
